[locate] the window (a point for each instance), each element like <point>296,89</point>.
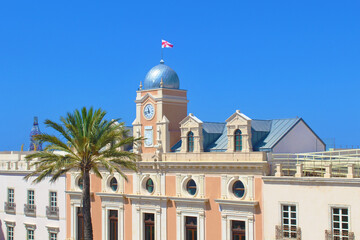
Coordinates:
<point>53,199</point>
<point>113,184</point>
<point>238,230</point>
<point>191,187</point>
<point>238,141</point>
<point>11,196</point>
<point>149,226</point>
<point>289,225</point>
<point>30,234</point>
<point>31,198</point>
<point>190,145</point>
<point>191,228</point>
<point>150,185</point>
<point>80,183</point>
<point>53,236</point>
<point>10,233</point>
<point>80,224</point>
<point>238,189</point>
<point>340,223</point>
<point>113,224</point>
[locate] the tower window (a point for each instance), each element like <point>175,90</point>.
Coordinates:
<point>238,140</point>
<point>190,143</point>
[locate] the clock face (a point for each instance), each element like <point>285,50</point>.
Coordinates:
<point>149,111</point>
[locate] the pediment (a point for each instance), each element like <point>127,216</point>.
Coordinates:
<point>191,121</point>
<point>238,118</point>
<point>145,98</point>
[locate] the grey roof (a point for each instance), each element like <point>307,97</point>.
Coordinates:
<point>164,72</point>
<point>265,134</point>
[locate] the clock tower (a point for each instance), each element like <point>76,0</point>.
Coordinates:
<point>160,106</point>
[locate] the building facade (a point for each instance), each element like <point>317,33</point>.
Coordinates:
<point>196,179</point>
<point>29,211</point>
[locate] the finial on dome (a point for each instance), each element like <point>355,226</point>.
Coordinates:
<point>140,86</point>
<point>161,83</point>
<point>162,61</point>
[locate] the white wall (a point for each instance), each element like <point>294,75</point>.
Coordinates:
<point>314,199</point>
<point>300,139</point>
<point>15,180</point>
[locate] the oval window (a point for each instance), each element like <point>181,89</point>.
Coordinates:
<point>191,187</point>
<point>113,184</point>
<point>80,183</point>
<point>238,189</point>
<point>150,185</point>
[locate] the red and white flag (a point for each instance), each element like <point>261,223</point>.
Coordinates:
<point>166,44</point>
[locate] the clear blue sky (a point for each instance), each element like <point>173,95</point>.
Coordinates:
<point>270,59</point>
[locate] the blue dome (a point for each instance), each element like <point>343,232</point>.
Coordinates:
<point>161,71</point>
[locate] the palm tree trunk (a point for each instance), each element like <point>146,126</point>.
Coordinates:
<point>88,231</point>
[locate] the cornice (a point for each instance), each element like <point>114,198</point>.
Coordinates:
<point>242,203</point>
<point>146,197</point>
<point>110,195</point>
<point>310,180</point>
<point>189,200</point>
<point>74,193</point>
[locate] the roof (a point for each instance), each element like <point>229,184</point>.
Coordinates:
<point>265,134</point>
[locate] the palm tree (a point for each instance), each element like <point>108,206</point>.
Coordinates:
<point>87,143</point>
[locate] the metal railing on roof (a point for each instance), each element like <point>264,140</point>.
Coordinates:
<point>315,163</point>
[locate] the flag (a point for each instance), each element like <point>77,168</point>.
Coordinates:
<point>166,44</point>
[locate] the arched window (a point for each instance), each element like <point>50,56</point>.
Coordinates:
<point>190,142</point>
<point>238,141</point>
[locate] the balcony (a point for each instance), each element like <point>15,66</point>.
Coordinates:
<point>52,212</point>
<point>330,235</point>
<point>30,210</point>
<point>283,234</point>
<point>10,208</point>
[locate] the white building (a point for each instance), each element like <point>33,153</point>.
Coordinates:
<point>317,199</point>
<point>29,211</point>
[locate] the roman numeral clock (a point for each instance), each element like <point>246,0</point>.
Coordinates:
<point>149,112</point>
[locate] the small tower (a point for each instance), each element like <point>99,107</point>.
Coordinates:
<point>34,144</point>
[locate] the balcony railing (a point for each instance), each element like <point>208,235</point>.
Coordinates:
<point>279,234</point>
<point>10,207</point>
<point>52,212</point>
<point>30,209</point>
<point>329,235</point>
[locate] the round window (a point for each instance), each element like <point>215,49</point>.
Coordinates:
<point>80,183</point>
<point>191,187</point>
<point>150,185</point>
<point>238,189</point>
<point>113,184</point>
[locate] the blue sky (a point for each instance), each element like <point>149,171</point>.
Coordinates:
<point>270,59</point>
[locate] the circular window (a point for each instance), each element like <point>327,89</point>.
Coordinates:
<point>80,183</point>
<point>113,184</point>
<point>149,185</point>
<point>191,187</point>
<point>238,189</point>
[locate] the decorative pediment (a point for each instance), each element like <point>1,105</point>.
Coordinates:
<point>191,120</point>
<point>145,97</point>
<point>238,118</point>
